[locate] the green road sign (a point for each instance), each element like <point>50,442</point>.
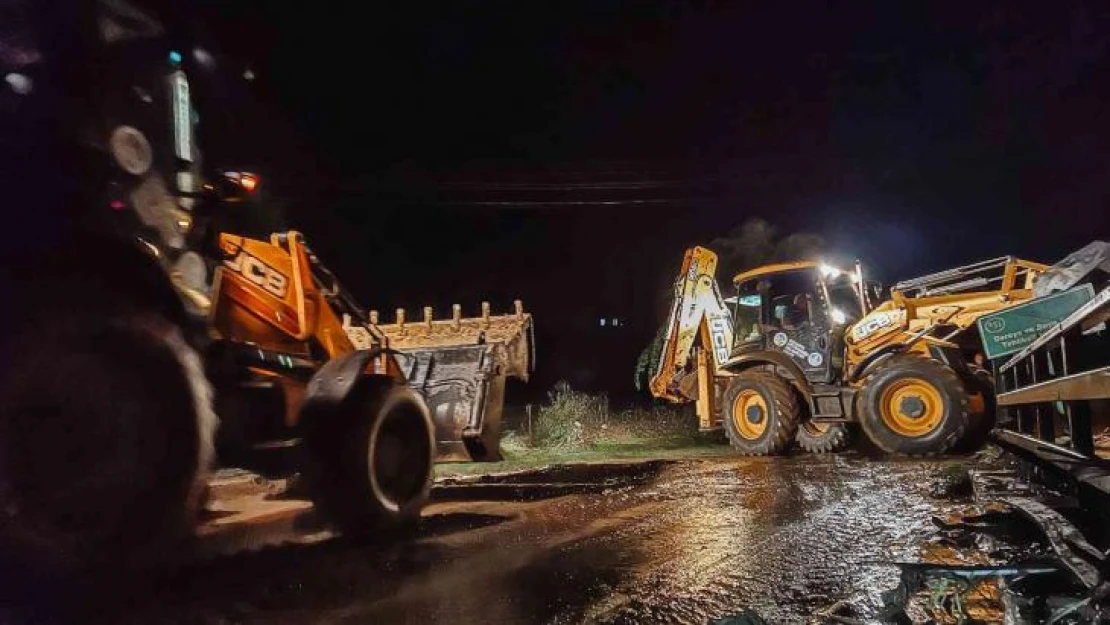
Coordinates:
<point>1010,330</point>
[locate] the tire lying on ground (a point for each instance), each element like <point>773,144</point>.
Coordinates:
<point>821,438</point>
<point>760,413</point>
<point>106,430</point>
<point>914,406</point>
<point>369,462</point>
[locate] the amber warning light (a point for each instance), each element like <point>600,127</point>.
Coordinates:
<point>248,181</point>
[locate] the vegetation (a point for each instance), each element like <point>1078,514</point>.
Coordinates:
<point>580,427</point>
<point>648,362</point>
<point>526,457</point>
<point>575,420</point>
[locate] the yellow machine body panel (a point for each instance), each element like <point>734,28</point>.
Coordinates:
<point>773,268</point>
<point>265,294</point>
<point>921,320</point>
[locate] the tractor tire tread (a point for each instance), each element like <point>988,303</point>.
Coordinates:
<point>946,379</point>
<point>836,438</point>
<point>784,421</point>
<point>337,470</point>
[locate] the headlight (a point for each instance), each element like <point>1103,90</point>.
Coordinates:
<point>838,316</point>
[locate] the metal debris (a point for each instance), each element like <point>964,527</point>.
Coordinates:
<point>1064,539</point>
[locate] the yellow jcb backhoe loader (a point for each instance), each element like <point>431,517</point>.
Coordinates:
<point>802,351</point>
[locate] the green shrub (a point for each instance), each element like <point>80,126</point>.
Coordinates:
<point>648,362</point>
<point>572,420</point>
<point>563,422</point>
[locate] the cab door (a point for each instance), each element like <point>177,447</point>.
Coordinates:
<point>797,323</point>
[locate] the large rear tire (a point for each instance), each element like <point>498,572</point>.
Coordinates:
<point>760,414</point>
<point>369,465</point>
<point>106,430</point>
<point>913,406</point>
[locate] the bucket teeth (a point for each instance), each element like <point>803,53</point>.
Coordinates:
<point>509,333</point>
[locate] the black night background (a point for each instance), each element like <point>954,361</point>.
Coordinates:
<point>566,153</point>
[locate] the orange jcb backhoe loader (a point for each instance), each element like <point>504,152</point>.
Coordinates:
<point>804,352</point>
<point>285,333</point>
<point>283,313</point>
<point>139,328</point>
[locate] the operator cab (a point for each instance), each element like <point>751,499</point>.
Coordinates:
<point>799,310</point>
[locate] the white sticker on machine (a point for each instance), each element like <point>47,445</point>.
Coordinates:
<point>796,349</point>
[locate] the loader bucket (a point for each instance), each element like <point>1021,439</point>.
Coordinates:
<point>460,366</point>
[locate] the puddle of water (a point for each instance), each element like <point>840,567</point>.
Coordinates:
<point>784,538</point>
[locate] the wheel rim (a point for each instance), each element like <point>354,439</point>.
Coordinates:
<point>912,407</point>
<point>750,414</point>
<point>399,457</point>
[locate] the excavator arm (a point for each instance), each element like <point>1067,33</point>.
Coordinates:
<point>698,317</point>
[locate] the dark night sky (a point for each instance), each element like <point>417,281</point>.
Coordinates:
<point>566,153</point>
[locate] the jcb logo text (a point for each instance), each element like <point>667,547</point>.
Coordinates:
<point>259,273</point>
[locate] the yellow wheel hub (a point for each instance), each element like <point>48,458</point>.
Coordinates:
<point>912,407</point>
<point>749,414</point>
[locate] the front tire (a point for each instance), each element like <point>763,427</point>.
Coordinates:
<point>913,406</point>
<point>760,413</point>
<point>369,465</point>
<point>106,430</point>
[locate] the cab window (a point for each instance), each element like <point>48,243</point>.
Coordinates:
<point>793,304</point>
<point>746,314</point>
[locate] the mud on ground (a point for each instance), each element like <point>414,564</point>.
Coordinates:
<point>790,539</point>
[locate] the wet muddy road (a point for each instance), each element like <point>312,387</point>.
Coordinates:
<point>680,542</point>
